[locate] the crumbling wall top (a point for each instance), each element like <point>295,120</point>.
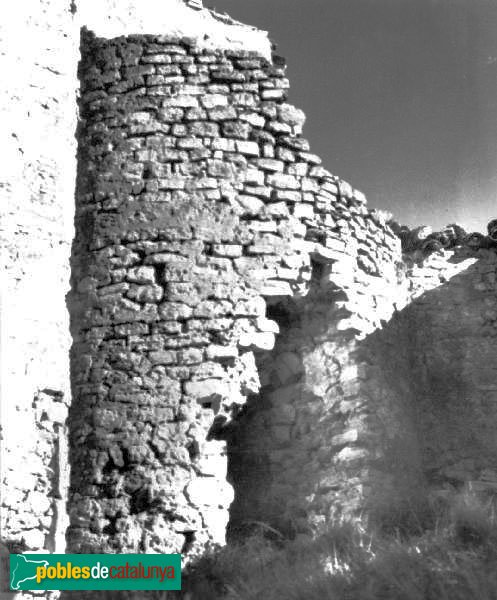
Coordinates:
<point>111,18</point>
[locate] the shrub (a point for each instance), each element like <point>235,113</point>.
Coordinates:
<point>456,559</point>
<point>473,521</point>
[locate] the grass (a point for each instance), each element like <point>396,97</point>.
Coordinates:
<point>456,559</point>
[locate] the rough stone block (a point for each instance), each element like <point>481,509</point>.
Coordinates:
<point>222,113</point>
<point>208,391</point>
<point>352,456</point>
<point>267,325</point>
<point>227,250</point>
<point>249,148</point>
<point>263,341</point>
<point>143,275</point>
<point>250,204</point>
<point>145,293</point>
<point>303,211</point>
<point>214,100</point>
<point>273,94</point>
<point>348,437</point>
<point>254,177</point>
<point>290,114</point>
<point>190,356</point>
<point>203,489</point>
<point>275,287</point>
<point>163,357</point>
<point>287,196</point>
<point>216,352</point>
<point>272,165</point>
<point>181,101</point>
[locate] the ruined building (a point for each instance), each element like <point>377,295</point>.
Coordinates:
<point>242,339</point>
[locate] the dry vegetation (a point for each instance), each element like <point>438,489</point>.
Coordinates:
<point>455,559</point>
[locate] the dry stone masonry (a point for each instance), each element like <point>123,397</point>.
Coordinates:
<point>39,43</point>
<point>449,327</point>
<point>250,343</point>
<point>204,227</point>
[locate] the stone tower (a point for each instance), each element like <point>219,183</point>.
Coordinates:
<point>205,227</point>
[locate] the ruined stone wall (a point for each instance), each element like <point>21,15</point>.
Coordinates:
<point>39,55</point>
<point>250,345</point>
<point>158,306</point>
<point>199,204</point>
<point>331,434</point>
<point>37,58</point>
<point>450,328</point>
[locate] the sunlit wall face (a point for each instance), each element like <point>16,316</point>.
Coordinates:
<point>401,97</point>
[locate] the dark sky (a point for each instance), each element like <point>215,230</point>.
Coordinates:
<point>400,97</point>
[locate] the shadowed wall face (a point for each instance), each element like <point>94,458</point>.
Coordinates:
<point>450,330</point>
